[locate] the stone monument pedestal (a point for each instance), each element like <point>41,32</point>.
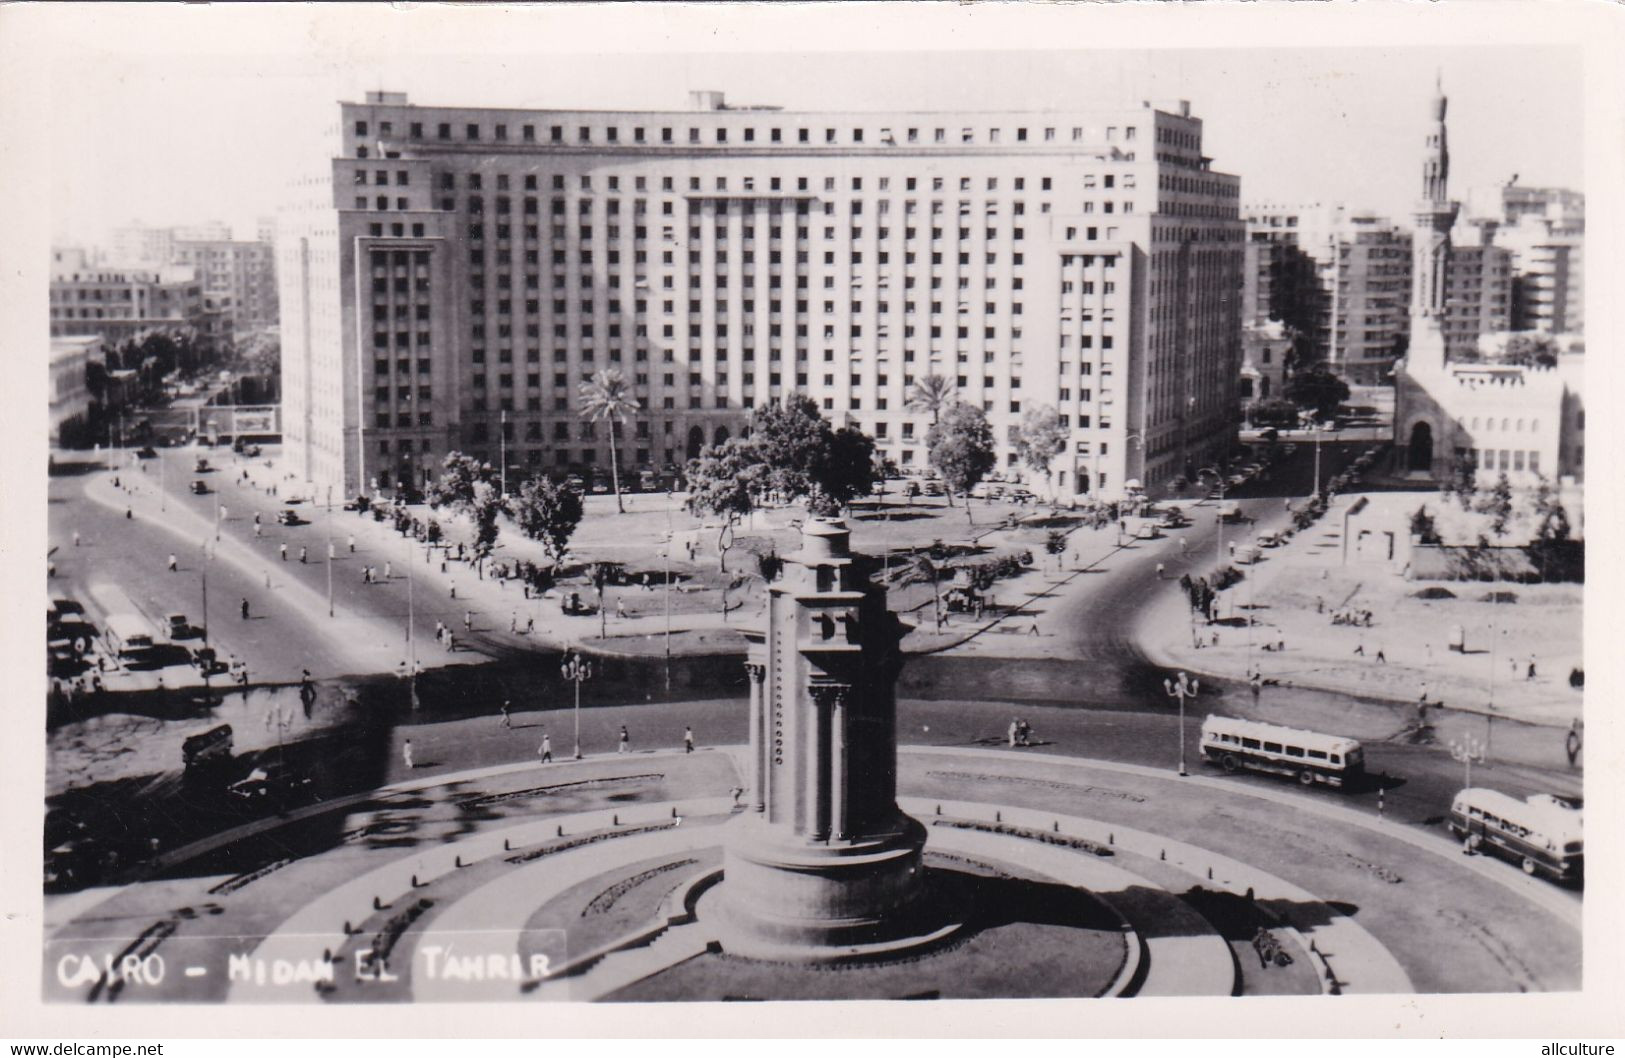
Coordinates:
<point>823,865</point>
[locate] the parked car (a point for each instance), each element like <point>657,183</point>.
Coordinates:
<point>146,452</point>
<point>933,488</point>
<point>1270,540</point>
<point>911,490</point>
<point>576,483</point>
<point>1147,531</point>
<point>1173,518</point>
<point>199,488</point>
<point>201,466</point>
<point>208,662</point>
<point>600,485</point>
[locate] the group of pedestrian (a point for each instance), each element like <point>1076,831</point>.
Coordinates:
<point>1020,733</point>
<point>444,636</point>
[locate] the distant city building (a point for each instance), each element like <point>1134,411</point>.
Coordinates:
<point>137,244</point>
<point>1265,350</point>
<point>120,303</point>
<point>1451,408</point>
<point>1478,289</point>
<point>1548,259</point>
<point>265,229</point>
<point>454,274</point>
<point>1338,278</point>
<point>239,276</point>
<point>70,391</point>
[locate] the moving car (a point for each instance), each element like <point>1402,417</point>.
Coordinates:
<point>201,466</point>
<point>199,488</point>
<point>289,517</point>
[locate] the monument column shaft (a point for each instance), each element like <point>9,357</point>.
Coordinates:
<point>838,770</point>
<point>818,791</point>
<point>758,744</point>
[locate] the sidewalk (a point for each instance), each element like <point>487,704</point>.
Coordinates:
<point>1295,589</point>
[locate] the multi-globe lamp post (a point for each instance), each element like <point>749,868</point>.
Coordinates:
<point>1181,687</point>
<point>577,671</point>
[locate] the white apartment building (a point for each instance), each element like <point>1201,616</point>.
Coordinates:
<point>454,274</point>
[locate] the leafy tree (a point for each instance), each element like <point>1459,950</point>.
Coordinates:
<point>454,488</point>
<point>961,449</point>
<point>608,398</point>
<point>1463,480</point>
<point>466,486</point>
<point>1552,527</point>
<point>1055,544</point>
<point>1498,505</point>
<point>1317,388</point>
<point>803,457</point>
<point>547,511</point>
<point>1040,438</point>
<point>933,394</point>
<point>724,482</point>
<point>1531,350</point>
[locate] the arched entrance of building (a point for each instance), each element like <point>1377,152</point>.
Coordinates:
<point>721,436</point>
<point>696,441</point>
<point>1421,457</point>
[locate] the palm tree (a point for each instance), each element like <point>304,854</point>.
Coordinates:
<point>932,393</point>
<point>608,398</point>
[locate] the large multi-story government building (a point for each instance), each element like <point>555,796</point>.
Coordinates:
<point>454,274</point>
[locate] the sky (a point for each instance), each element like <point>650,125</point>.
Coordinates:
<point>176,138</point>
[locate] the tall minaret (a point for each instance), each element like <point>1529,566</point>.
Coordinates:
<point>1435,216</point>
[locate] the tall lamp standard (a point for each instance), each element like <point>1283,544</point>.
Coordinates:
<point>329,521</point>
<point>1467,751</point>
<point>577,672</point>
<point>1181,687</point>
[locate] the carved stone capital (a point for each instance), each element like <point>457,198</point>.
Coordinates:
<point>756,671</point>
<point>830,695</point>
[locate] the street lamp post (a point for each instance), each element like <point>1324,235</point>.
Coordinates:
<point>577,671</point>
<point>502,443</point>
<point>411,621</point>
<point>1181,687</point>
<point>1467,751</point>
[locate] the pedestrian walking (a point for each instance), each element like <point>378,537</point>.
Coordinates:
<point>76,538</point>
<point>174,564</point>
<point>1531,674</point>
<point>304,554</point>
<point>507,721</point>
<point>451,642</point>
<point>351,542</point>
<point>1382,659</point>
<point>1014,727</point>
<point>1255,683</point>
<point>453,584</point>
<point>1571,742</point>
<point>620,609</point>
<point>259,530</point>
<point>688,740</point>
<point>513,622</point>
<point>1160,569</point>
<point>406,754</point>
<point>366,575</point>
<point>530,625</point>
<point>1360,649</point>
<point>245,609</point>
<point>1034,629</point>
<point>468,620</point>
<point>388,567</point>
<point>626,741</point>
<point>282,549</point>
<point>546,749</point>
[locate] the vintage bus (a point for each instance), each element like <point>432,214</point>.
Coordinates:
<point>1307,756</point>
<point>130,636</point>
<point>1541,834</point>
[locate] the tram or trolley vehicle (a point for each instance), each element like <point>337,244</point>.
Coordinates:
<point>1542,834</point>
<point>1307,756</point>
